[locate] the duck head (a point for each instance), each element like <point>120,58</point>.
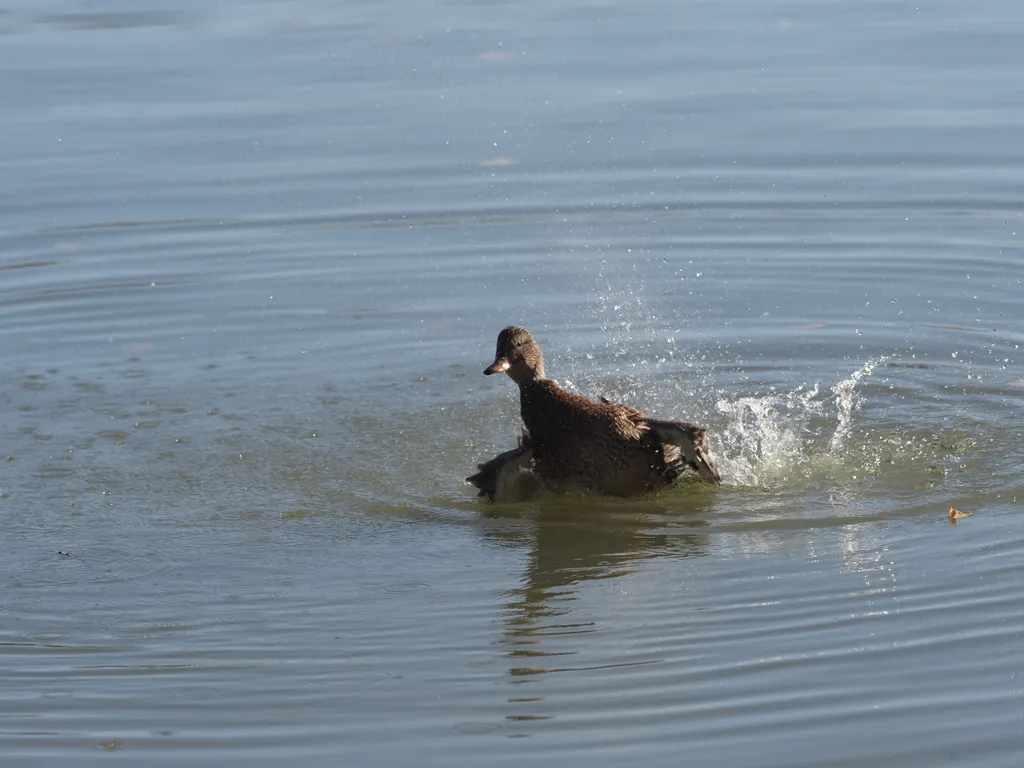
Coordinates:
<point>517,355</point>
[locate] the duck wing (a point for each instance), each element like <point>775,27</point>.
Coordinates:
<point>509,475</point>
<point>692,442</point>
<point>689,439</point>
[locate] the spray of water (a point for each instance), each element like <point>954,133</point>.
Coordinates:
<point>845,402</point>
<point>769,437</point>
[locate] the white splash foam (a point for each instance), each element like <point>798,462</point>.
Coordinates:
<point>767,438</point>
<point>766,435</point>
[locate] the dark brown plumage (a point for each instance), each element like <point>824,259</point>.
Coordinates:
<point>596,446</point>
<point>508,476</point>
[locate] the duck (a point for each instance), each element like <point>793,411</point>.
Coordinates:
<point>573,442</point>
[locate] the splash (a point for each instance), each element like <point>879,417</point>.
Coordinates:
<point>767,435</point>
<point>768,438</point>
<point>845,402</point>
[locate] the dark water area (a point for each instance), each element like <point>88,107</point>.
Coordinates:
<point>254,257</point>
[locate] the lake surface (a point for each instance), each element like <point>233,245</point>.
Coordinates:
<point>254,258</point>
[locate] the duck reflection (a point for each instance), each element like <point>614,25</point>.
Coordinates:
<point>571,541</point>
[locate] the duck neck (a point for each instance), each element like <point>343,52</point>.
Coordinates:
<point>523,374</point>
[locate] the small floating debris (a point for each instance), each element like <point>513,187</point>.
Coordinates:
<point>955,514</point>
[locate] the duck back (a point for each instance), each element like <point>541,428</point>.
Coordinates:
<point>596,446</point>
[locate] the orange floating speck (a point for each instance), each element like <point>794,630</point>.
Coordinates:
<point>955,514</point>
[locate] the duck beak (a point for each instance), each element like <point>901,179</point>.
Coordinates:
<point>498,366</point>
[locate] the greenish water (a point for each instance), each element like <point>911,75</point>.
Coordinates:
<point>254,259</point>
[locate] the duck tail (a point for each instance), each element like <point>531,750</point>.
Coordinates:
<point>702,460</point>
<point>692,442</point>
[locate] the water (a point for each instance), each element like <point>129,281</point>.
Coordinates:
<point>254,259</point>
